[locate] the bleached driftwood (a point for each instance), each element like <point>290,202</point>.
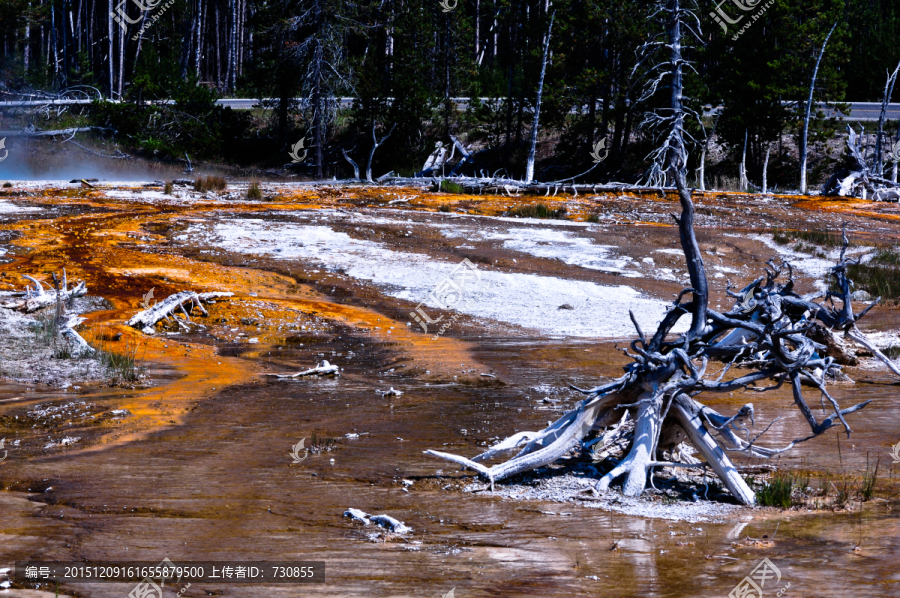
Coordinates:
<point>66,328</point>
<point>863,182</point>
<point>184,301</point>
<point>33,299</point>
<point>325,369</point>
<point>386,521</point>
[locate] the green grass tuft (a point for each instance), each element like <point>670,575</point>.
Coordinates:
<point>779,490</point>
<point>254,192</point>
<point>880,276</point>
<point>451,187</point>
<point>537,210</point>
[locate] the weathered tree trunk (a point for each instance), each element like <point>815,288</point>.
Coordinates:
<point>885,100</point>
<point>352,163</point>
<point>744,182</point>
<point>809,100</point>
<point>529,169</point>
<point>765,182</point>
<point>111,48</point>
<point>375,145</point>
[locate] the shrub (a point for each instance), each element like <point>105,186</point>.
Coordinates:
<point>168,189</point>
<point>254,192</point>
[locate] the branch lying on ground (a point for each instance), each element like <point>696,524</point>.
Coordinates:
<point>146,319</point>
<point>326,369</point>
<point>33,299</point>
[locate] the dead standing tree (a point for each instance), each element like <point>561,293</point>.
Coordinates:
<point>766,330</point>
<point>809,101</point>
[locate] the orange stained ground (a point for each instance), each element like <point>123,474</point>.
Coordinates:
<point>102,244</point>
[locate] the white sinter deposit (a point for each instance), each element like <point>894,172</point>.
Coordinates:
<point>526,300</point>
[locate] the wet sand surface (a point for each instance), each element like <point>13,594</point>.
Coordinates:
<point>198,468</point>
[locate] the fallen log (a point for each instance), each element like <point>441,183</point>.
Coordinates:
<point>36,133</point>
<point>33,299</point>
<point>184,301</point>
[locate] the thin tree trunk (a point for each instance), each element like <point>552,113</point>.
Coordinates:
<point>27,50</point>
<point>218,49</point>
<point>765,183</point>
<point>198,39</point>
<point>122,33</point>
<point>702,177</point>
<point>677,164</point>
<point>809,99</point>
<point>885,100</point>
<point>318,105</point>
<point>53,39</point>
<point>529,169</point>
<point>375,145</point>
<point>112,48</point>
<point>744,182</point>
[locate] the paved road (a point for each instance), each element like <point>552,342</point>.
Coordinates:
<point>860,111</point>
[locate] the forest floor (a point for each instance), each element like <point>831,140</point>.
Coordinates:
<point>191,462</point>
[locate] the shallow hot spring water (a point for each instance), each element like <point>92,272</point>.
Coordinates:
<point>193,463</point>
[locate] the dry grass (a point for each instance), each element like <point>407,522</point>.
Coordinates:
<point>210,183</point>
<point>168,189</point>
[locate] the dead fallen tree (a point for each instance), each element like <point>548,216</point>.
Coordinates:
<point>766,331</point>
<point>52,133</point>
<point>184,302</point>
<point>863,182</point>
<point>32,299</point>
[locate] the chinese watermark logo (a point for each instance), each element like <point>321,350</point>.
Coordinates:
<point>295,453</point>
<point>720,17</point>
<point>121,16</point>
<point>445,4</point>
<point>146,302</point>
<point>600,145</point>
<point>448,292</point>
<point>752,585</point>
<point>147,588</point>
<point>5,452</point>
<point>895,151</point>
<point>295,151</point>
<point>3,147</point>
<point>895,453</point>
